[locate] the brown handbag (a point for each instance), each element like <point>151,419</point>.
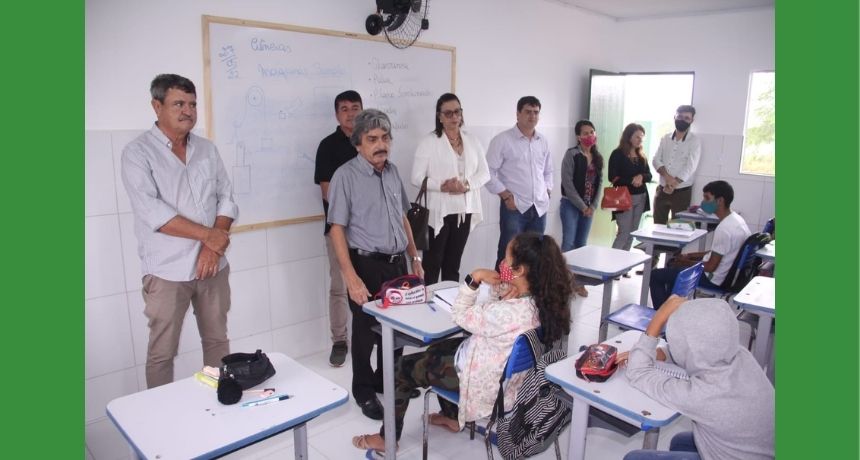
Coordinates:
<point>616,198</point>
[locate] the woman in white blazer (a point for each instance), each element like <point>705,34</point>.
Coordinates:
<point>455,166</point>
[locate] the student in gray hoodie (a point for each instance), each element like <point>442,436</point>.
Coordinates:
<point>728,397</point>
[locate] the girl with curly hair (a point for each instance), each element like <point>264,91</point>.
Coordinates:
<point>532,288</point>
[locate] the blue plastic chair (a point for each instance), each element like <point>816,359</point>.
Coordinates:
<point>519,360</point>
<point>637,317</point>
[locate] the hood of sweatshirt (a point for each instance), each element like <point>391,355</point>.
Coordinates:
<point>703,336</point>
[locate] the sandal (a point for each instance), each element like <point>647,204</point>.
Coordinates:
<point>362,442</point>
<point>440,420</point>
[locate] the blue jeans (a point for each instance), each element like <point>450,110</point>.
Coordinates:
<point>512,223</point>
<point>681,447</point>
<point>575,226</point>
<point>663,280</point>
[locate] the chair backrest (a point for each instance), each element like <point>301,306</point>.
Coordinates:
<point>687,280</point>
<point>770,227</point>
<point>521,358</point>
<point>744,266</point>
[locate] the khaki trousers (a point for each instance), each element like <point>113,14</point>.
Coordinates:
<point>166,305</point>
<point>338,307</point>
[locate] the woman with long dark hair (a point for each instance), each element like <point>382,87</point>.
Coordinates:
<point>455,167</point>
<point>629,168</point>
<point>581,177</point>
<point>532,288</point>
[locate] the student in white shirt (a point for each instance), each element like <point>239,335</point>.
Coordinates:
<point>729,236</point>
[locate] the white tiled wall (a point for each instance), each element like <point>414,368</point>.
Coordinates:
<point>721,159</point>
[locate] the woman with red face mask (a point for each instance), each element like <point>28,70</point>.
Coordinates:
<point>532,288</point>
<point>581,176</point>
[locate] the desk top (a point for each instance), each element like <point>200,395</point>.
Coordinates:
<point>647,235</point>
<point>758,295</point>
<point>602,262</point>
<point>696,217</point>
<point>184,419</point>
<point>418,320</point>
<point>615,395</point>
<point>768,251</point>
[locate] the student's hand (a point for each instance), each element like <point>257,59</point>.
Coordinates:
<point>357,290</point>
<point>508,199</point>
<point>485,275</point>
<point>217,240</point>
<point>509,291</point>
<point>622,358</point>
<point>637,180</point>
<point>207,263</point>
<point>589,211</point>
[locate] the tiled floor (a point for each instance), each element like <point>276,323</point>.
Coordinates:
<point>329,436</point>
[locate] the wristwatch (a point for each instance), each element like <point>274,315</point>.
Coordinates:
<point>474,285</point>
<point>416,258</point>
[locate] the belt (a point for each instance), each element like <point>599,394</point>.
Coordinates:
<point>390,258</point>
<point>681,189</point>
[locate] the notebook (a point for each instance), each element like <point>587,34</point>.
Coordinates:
<point>672,369</point>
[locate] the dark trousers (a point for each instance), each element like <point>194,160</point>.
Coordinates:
<point>446,249</point>
<point>373,273</point>
<point>432,367</point>
<point>512,223</point>
<point>663,280</point>
<point>677,201</point>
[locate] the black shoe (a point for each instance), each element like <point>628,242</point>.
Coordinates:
<point>371,408</point>
<point>338,354</point>
<point>639,272</point>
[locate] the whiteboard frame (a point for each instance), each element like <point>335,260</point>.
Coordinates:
<point>207,84</point>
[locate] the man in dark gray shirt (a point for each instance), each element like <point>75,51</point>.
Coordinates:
<point>370,233</point>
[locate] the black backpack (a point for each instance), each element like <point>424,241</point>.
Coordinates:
<point>539,414</point>
<point>746,264</point>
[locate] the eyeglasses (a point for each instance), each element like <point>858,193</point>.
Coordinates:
<point>452,113</point>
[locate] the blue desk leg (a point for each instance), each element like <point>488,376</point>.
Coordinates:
<point>646,275</point>
<point>651,438</point>
<point>300,440</point>
<point>604,309</point>
<point>578,428</point>
<point>388,396</point>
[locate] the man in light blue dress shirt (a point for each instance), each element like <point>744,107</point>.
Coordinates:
<point>183,209</point>
<point>521,174</point>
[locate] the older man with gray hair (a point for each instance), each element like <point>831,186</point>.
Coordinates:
<point>372,240</point>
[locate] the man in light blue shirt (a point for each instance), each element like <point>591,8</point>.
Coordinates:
<point>183,209</point>
<point>521,174</point>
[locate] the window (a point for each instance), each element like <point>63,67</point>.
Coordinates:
<point>759,155</point>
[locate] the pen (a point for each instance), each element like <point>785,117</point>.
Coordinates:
<point>264,401</point>
<point>443,300</point>
<point>432,307</point>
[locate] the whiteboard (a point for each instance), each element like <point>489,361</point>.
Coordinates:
<point>269,93</point>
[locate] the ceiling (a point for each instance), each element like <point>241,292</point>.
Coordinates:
<point>631,10</point>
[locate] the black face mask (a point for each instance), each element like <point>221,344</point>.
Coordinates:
<point>682,125</point>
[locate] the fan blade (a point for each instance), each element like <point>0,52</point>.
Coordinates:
<point>398,21</point>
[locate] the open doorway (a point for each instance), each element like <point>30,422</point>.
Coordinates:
<point>649,99</point>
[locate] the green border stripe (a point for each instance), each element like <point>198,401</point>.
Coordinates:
<point>817,204</point>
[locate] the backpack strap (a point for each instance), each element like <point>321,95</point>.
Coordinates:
<point>499,405</point>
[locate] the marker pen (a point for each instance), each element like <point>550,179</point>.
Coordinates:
<point>264,401</point>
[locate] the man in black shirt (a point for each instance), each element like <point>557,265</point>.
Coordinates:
<point>335,150</point>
